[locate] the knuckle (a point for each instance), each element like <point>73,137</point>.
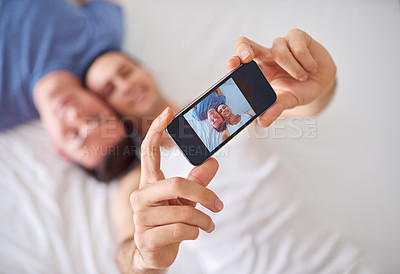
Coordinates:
<point>135,199</point>
<point>281,56</point>
<point>140,218</point>
<point>151,244</point>
<point>140,241</point>
<point>295,31</point>
<point>241,39</point>
<point>176,184</point>
<point>278,41</point>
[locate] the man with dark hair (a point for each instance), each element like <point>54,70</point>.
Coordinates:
<point>46,47</point>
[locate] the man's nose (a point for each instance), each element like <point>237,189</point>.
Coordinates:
<point>123,85</point>
<point>71,115</point>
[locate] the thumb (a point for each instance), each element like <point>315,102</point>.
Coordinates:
<point>204,173</point>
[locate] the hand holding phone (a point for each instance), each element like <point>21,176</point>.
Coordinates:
<point>161,220</point>
<point>220,113</point>
<point>301,71</point>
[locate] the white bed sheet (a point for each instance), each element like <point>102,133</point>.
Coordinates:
<point>54,217</point>
<point>265,226</point>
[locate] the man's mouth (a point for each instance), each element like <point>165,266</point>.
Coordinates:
<point>138,96</point>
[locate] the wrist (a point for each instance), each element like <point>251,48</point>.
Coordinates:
<point>141,267</point>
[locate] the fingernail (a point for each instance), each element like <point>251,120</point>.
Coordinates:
<point>164,113</point>
<point>218,204</point>
<point>244,54</point>
<point>211,229</point>
<point>303,78</point>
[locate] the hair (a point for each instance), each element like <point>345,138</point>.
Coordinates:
<point>127,55</point>
<point>118,161</point>
<point>119,158</point>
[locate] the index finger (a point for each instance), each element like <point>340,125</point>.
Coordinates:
<point>150,149</point>
<point>248,50</point>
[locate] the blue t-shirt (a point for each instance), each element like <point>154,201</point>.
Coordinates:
<point>41,36</point>
<point>211,101</point>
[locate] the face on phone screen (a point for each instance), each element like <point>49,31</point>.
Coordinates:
<point>224,111</point>
<point>221,113</point>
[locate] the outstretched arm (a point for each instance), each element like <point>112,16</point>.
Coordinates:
<point>300,70</point>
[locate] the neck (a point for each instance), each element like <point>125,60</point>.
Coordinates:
<point>233,119</point>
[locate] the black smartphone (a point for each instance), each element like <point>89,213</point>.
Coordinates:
<point>220,113</point>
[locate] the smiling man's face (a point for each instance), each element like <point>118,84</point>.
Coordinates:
<point>127,86</point>
<point>224,110</point>
<point>81,126</point>
<point>214,118</point>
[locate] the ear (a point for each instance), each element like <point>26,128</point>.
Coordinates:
<point>62,154</point>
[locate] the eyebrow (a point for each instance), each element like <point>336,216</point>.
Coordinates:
<point>122,67</point>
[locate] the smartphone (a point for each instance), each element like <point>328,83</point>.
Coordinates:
<point>220,113</point>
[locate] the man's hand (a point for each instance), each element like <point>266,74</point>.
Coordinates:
<point>164,212</point>
<point>300,70</point>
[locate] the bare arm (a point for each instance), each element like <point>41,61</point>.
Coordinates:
<point>123,218</point>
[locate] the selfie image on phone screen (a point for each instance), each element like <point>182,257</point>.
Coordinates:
<point>216,116</point>
<point>220,114</point>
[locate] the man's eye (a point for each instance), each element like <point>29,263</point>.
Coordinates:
<point>126,72</point>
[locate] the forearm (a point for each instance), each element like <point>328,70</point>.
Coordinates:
<point>315,107</point>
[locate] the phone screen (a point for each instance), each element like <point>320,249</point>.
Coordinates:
<point>219,114</point>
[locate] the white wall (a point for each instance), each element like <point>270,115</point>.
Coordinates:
<point>350,170</point>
